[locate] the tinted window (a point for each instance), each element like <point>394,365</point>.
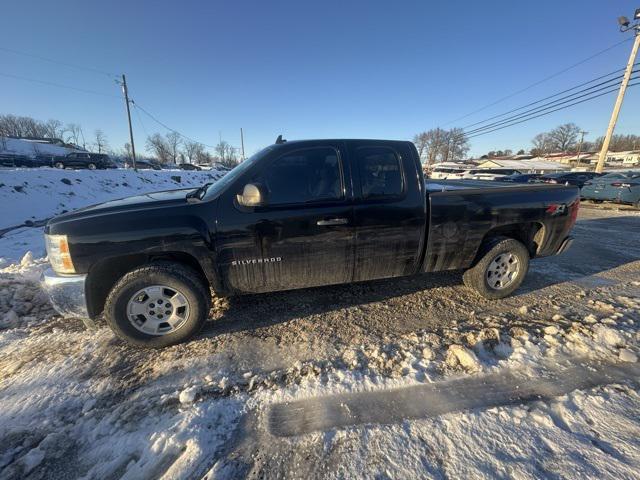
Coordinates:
<point>380,172</point>
<point>304,176</point>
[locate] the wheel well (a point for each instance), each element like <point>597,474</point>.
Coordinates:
<point>105,273</point>
<point>531,235</point>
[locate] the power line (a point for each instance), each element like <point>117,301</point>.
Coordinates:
<point>546,106</point>
<point>140,120</point>
<point>551,111</point>
<point>540,81</point>
<point>51,60</point>
<point>137,105</point>
<point>548,97</point>
<point>68,87</point>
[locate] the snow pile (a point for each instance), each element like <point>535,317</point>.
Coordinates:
<point>18,146</point>
<point>187,413</point>
<point>30,196</point>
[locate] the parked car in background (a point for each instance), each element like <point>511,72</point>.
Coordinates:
<point>188,166</point>
<point>25,161</point>
<point>521,178</point>
<point>621,187</point>
<point>447,171</point>
<point>577,179</point>
<point>143,165</point>
<point>92,161</point>
<point>487,173</point>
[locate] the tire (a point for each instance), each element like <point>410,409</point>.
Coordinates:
<point>128,295</point>
<point>59,165</point>
<point>91,166</point>
<point>485,272</point>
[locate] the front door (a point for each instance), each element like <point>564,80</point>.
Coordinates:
<point>304,235</point>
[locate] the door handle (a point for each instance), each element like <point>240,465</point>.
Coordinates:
<point>332,221</point>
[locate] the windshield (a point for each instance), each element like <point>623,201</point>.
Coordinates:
<point>238,170</point>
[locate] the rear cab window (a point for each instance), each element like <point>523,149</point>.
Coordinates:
<point>381,173</point>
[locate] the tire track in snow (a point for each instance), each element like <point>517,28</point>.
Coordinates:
<point>434,399</point>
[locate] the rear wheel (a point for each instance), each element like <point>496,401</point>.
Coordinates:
<point>158,305</point>
<point>59,165</point>
<point>91,166</point>
<point>500,269</point>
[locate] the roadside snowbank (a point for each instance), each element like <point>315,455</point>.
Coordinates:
<point>30,196</point>
<point>31,148</point>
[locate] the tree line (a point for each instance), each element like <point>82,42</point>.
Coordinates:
<point>165,149</point>
<point>172,148</point>
<point>567,138</point>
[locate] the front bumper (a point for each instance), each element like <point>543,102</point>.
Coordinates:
<point>66,293</point>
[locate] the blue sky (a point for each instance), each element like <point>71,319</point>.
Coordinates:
<point>375,69</point>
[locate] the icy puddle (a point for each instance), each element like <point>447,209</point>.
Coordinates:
<point>434,399</point>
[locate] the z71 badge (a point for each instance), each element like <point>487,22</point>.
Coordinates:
<point>250,261</point>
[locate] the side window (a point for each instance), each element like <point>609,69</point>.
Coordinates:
<point>304,176</point>
<point>380,172</point>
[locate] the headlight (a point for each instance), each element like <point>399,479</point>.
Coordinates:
<point>58,252</point>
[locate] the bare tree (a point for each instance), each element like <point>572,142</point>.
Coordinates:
<point>226,154</point>
<point>173,144</point>
<point>101,143</point>
<point>15,126</point>
<point>430,144</point>
<point>541,144</point>
<point>126,152</point>
<point>54,129</point>
<point>564,138</point>
<point>74,133</point>
<point>191,150</point>
<point>456,146</point>
<point>157,145</point>
<point>204,158</point>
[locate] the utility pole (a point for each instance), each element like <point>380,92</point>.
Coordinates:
<point>126,101</point>
<point>625,25</point>
<point>242,142</point>
<point>582,134</point>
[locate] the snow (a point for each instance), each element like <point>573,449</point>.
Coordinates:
<point>31,148</point>
<point>552,397</point>
<point>38,194</point>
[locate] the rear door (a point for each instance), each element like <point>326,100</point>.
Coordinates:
<point>304,236</point>
<point>390,212</point>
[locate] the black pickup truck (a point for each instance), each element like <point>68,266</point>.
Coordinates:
<point>296,214</point>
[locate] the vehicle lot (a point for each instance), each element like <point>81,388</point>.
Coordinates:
<point>217,405</point>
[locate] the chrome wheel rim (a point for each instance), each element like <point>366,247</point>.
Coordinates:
<point>158,310</point>
<point>502,271</point>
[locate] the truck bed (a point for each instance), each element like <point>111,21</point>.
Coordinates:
<point>462,213</point>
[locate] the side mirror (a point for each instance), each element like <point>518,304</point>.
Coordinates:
<point>251,196</point>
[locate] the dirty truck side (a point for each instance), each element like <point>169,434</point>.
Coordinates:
<point>295,215</point>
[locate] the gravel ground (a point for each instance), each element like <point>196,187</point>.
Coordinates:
<point>278,344</point>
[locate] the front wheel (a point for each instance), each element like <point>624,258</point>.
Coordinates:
<point>91,166</point>
<point>158,305</point>
<point>59,165</point>
<point>500,270</point>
